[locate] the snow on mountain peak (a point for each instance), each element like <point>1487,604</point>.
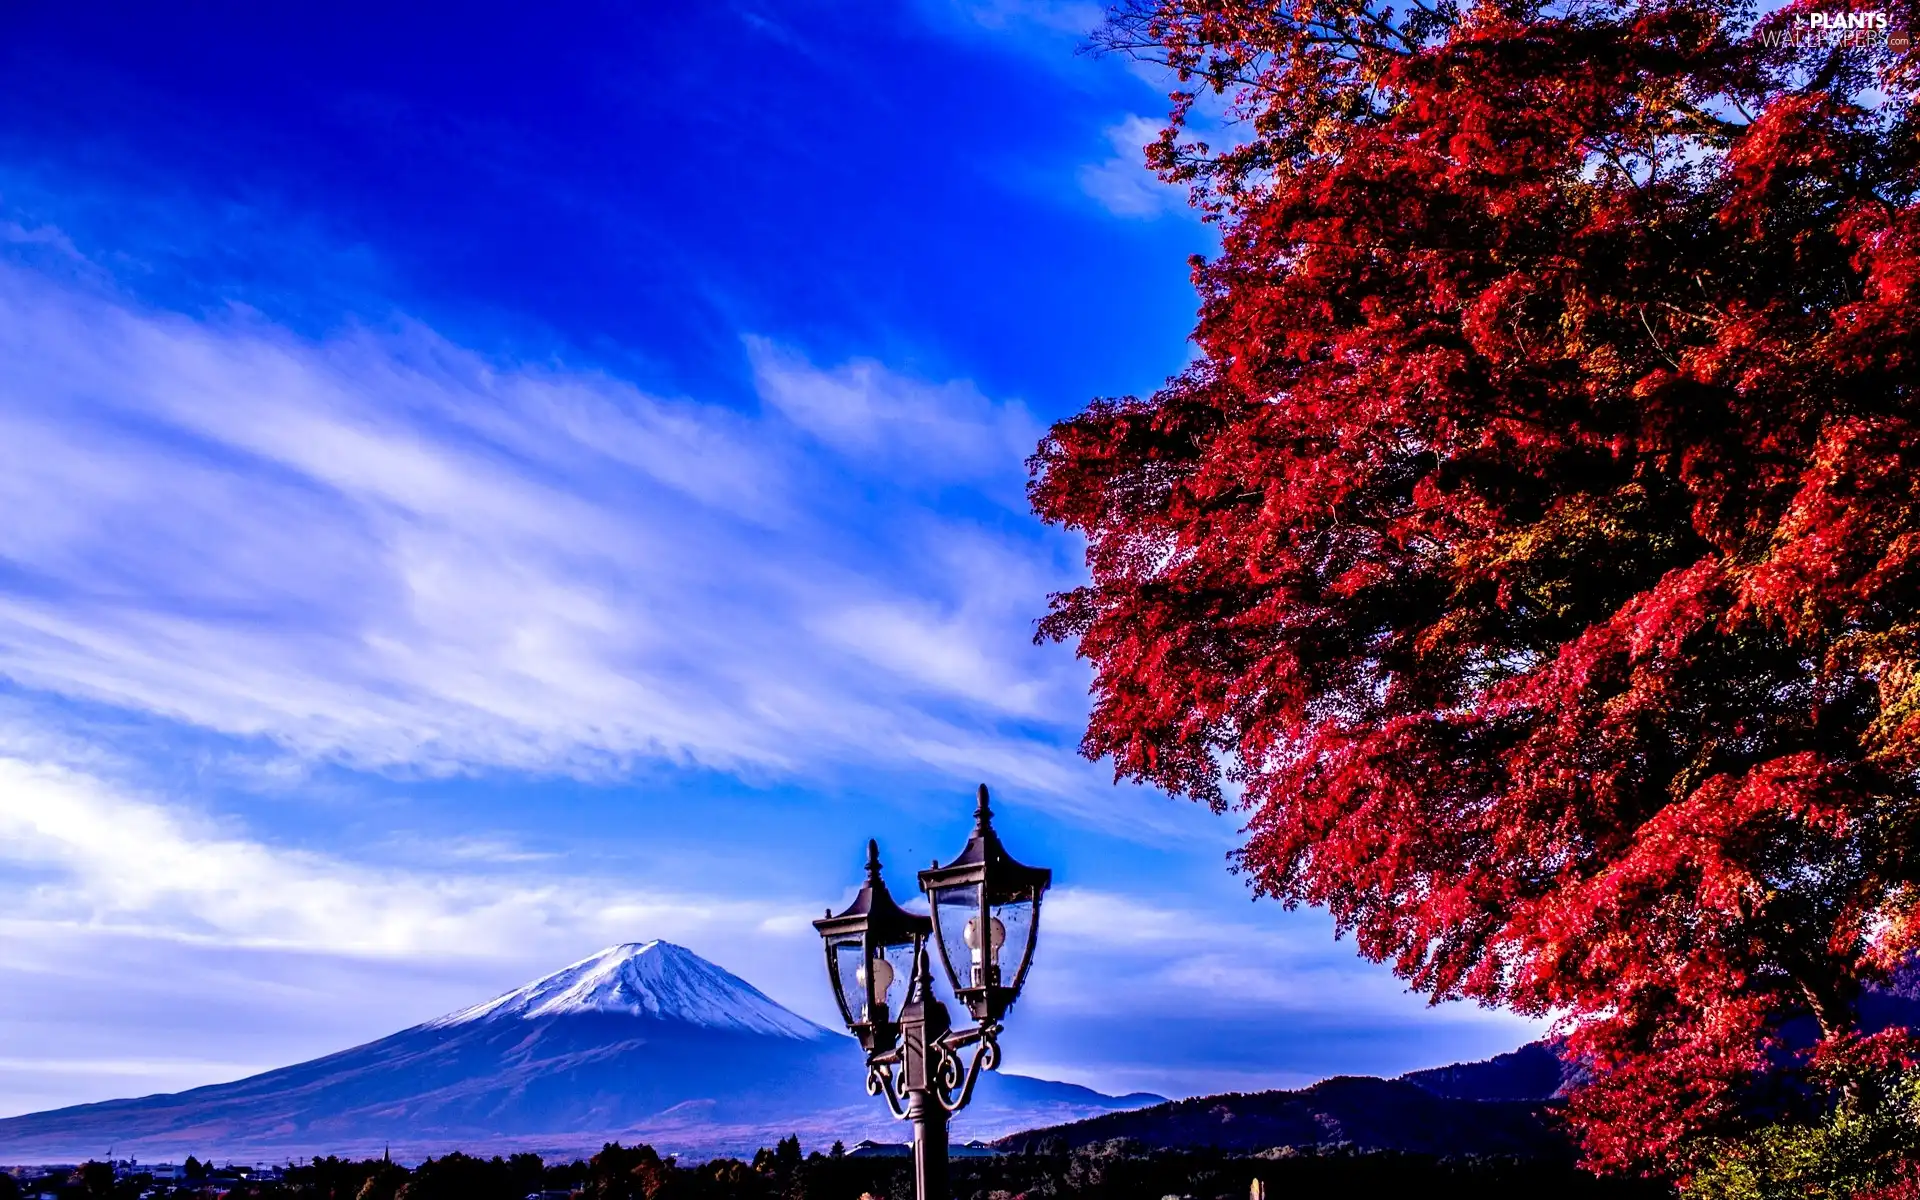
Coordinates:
<point>645,979</point>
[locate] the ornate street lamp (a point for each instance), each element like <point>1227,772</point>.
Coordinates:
<point>986,909</point>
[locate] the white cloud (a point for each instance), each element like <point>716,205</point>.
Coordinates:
<point>1261,1001</point>
<point>98,858</point>
<point>931,433</point>
<point>384,551</point>
<point>1122,183</point>
<point>1194,961</point>
<point>1076,18</point>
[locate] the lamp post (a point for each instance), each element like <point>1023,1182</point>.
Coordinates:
<point>985,906</point>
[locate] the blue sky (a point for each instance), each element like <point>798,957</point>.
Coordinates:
<point>484,484</point>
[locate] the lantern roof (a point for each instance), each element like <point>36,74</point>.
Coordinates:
<point>874,912</point>
<point>984,858</point>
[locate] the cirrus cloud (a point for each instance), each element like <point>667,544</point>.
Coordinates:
<point>383,550</point>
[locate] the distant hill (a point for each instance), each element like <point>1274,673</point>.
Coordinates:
<point>1537,1071</point>
<point>1360,1112</point>
<point>1533,1072</point>
<point>1504,1105</point>
<point>642,1042</point>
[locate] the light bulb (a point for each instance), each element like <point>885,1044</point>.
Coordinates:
<point>972,933</point>
<point>986,967</point>
<point>882,982</point>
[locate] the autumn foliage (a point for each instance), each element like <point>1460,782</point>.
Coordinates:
<point>1533,549</point>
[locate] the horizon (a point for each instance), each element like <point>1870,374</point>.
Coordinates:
<point>492,486</point>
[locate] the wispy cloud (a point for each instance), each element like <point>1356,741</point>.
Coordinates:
<point>1121,182</point>
<point>1260,1001</point>
<point>1187,960</point>
<point>1070,18</point>
<point>929,433</point>
<point>385,551</point>
<point>101,859</point>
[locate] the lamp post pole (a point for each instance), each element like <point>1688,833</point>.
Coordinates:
<point>914,1059</point>
<point>924,1024</point>
<point>929,1146</point>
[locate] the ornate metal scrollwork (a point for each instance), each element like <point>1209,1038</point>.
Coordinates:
<point>953,1078</point>
<point>880,1082</point>
<point>955,1088</point>
<point>949,1076</point>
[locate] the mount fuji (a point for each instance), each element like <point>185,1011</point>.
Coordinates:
<point>641,1042</point>
<point>656,980</point>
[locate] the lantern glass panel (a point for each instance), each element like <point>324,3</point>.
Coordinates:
<point>956,906</point>
<point>847,976</point>
<point>896,973</point>
<point>1012,925</point>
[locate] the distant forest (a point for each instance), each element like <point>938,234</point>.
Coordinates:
<point>1111,1171</point>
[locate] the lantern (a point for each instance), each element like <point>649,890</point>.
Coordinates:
<point>870,955</point>
<point>986,917</point>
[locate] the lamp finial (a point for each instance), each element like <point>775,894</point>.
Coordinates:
<point>922,975</point>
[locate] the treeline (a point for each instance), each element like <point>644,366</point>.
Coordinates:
<point>1112,1171</point>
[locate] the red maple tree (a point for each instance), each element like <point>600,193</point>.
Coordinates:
<point>1533,548</point>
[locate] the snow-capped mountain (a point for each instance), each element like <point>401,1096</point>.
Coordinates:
<point>645,979</point>
<point>641,1042</point>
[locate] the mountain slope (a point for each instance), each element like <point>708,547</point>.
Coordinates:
<point>647,1040</point>
<point>1538,1072</point>
<point>1360,1112</point>
<point>1533,1072</point>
